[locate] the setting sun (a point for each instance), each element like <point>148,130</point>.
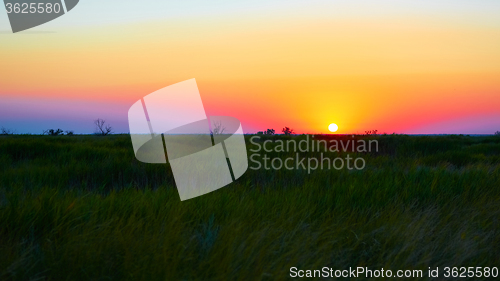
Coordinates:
<point>333,127</point>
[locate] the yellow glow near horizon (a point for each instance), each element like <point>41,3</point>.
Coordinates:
<point>391,73</point>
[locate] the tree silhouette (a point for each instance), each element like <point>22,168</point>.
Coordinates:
<point>101,128</point>
<point>217,129</point>
<point>5,131</point>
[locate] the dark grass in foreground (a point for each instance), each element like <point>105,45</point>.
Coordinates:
<point>82,208</point>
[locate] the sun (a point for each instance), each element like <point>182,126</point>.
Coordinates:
<point>333,127</point>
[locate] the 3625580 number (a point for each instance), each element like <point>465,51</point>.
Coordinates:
<point>470,272</point>
<point>33,8</point>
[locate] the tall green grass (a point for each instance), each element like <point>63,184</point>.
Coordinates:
<point>82,208</point>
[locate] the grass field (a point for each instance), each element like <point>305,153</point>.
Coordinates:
<point>82,208</point>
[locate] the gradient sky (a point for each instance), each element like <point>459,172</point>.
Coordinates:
<point>422,66</point>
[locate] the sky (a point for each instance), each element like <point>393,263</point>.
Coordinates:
<point>414,67</point>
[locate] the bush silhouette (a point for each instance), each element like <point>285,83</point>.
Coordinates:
<point>270,132</point>
<point>287,131</point>
<point>52,132</point>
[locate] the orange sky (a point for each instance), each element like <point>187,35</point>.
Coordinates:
<point>397,72</point>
